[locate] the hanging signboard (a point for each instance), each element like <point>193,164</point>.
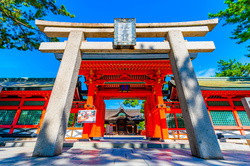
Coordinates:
<point>125,88</point>
<point>124,32</point>
<point>86,116</point>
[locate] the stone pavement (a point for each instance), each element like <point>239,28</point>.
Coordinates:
<point>118,156</point>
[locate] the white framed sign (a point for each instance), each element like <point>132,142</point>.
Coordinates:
<point>86,116</point>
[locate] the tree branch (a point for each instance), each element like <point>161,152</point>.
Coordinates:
<point>15,20</point>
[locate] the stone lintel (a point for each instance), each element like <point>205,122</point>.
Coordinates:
<point>192,31</point>
<point>123,56</point>
<point>211,23</point>
<point>141,47</point>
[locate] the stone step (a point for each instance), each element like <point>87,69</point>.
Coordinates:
<point>20,144</point>
<point>103,145</point>
<point>110,145</point>
<point>128,145</point>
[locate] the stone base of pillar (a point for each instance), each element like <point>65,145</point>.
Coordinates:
<point>165,140</point>
<point>84,140</point>
<point>154,139</point>
<point>96,138</point>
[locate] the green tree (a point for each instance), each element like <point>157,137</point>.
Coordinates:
<point>238,13</point>
<point>141,125</point>
<point>142,106</point>
<point>17,17</point>
<point>134,103</point>
<point>232,68</point>
<point>131,102</point>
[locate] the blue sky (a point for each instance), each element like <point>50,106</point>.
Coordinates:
<point>14,63</point>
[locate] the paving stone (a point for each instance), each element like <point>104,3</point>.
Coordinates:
<point>118,157</point>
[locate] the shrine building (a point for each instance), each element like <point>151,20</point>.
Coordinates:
<point>123,122</point>
<point>23,103</point>
<point>193,109</point>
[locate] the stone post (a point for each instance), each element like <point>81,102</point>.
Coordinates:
<point>51,137</point>
<point>246,104</point>
<point>202,139</point>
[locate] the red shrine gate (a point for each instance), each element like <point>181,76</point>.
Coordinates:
<point>145,80</point>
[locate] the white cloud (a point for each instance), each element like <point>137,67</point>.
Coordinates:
<point>206,73</point>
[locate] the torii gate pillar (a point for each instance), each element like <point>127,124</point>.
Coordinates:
<point>51,137</point>
<point>202,139</point>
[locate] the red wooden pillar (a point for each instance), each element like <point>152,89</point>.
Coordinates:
<point>96,127</point>
<point>149,105</point>
<point>89,105</point>
<point>161,107</point>
<point>103,117</point>
<point>146,118</point>
<point>155,115</point>
<point>151,125</point>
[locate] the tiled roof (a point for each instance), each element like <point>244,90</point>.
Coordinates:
<point>222,83</point>
<point>206,83</point>
<point>27,83</point>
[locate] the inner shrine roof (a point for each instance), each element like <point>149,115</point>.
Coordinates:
<point>133,114</point>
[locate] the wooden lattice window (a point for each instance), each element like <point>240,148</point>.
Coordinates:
<point>29,117</point>
<point>223,118</point>
<point>171,123</point>
<point>77,124</point>
<point>9,103</point>
<point>7,117</point>
<point>244,118</point>
<point>73,120</point>
<point>170,120</point>
<point>180,120</point>
<point>237,103</point>
<point>218,103</point>
<point>41,103</point>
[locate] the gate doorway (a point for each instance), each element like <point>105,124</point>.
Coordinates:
<point>121,79</point>
<point>123,120</point>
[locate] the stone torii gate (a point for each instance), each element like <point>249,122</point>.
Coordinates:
<point>202,139</point>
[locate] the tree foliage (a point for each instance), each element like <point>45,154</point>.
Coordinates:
<point>232,68</point>
<point>238,13</point>
<point>17,17</point>
<point>142,106</point>
<point>141,125</point>
<point>134,103</point>
<point>131,102</point>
